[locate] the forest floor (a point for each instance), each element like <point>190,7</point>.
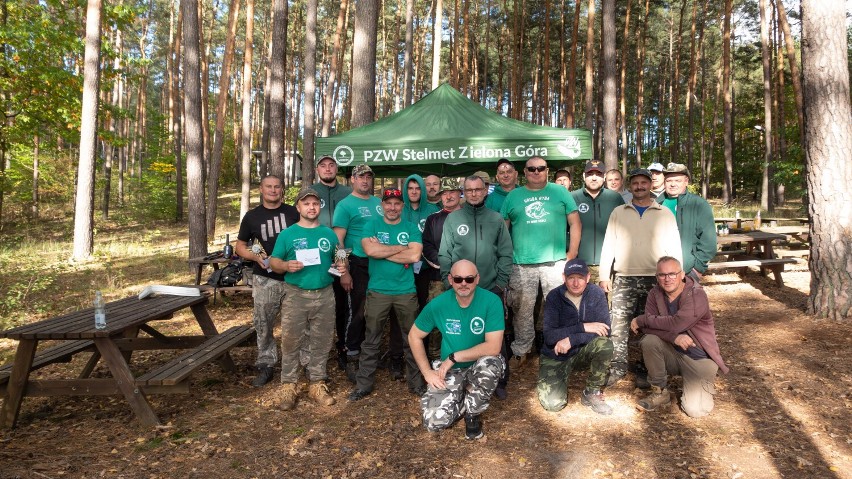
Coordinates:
<point>783,411</point>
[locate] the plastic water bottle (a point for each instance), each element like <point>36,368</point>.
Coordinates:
<point>100,311</point>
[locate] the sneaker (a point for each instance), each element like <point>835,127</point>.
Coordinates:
<point>264,375</point>
<point>594,399</point>
<point>352,367</point>
<point>318,392</point>
<point>357,395</point>
<point>472,426</point>
<point>515,362</point>
<point>658,397</point>
<point>395,367</point>
<point>288,394</point>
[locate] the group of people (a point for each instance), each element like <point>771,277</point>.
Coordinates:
<point>450,266</point>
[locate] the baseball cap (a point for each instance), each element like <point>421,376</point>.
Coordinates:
<point>485,178</point>
<point>305,192</point>
<point>562,172</point>
<point>576,266</point>
<point>504,160</point>
<point>594,165</point>
<point>324,157</point>
<point>389,193</point>
<point>449,184</point>
<point>677,169</point>
<point>362,169</point>
<point>656,167</point>
<point>637,172</point>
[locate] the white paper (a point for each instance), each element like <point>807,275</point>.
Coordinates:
<point>417,267</point>
<point>308,257</point>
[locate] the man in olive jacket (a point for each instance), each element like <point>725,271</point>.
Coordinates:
<point>695,221</point>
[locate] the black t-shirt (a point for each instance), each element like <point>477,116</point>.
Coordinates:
<point>264,224</point>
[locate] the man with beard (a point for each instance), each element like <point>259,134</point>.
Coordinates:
<point>637,235</point>
<point>304,253</point>
<point>350,219</point>
<point>595,204</point>
<point>433,190</point>
<point>261,226</point>
<point>470,319</point>
<point>507,180</point>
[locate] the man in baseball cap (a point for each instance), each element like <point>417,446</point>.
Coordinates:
<point>595,204</point>
<point>506,178</point>
<point>658,179</point>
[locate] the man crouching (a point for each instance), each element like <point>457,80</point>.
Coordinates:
<point>470,320</point>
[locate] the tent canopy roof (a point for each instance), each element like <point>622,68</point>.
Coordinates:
<point>447,134</point>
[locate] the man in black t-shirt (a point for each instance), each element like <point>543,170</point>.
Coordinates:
<point>261,227</point>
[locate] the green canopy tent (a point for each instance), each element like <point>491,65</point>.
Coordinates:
<point>445,133</point>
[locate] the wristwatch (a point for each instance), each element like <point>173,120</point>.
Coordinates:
<point>452,357</point>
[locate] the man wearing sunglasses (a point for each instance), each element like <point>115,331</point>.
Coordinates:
<point>392,244</point>
<point>680,338</point>
<point>537,214</point>
<point>470,320</point>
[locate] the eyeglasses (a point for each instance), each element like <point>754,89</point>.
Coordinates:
<point>536,169</point>
<point>392,193</point>
<point>668,275</point>
<point>472,191</point>
<point>466,279</point>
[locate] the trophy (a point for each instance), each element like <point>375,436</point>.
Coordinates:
<point>340,254</point>
<point>257,248</point>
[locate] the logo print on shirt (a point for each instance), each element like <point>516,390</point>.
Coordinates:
<point>477,325</point>
<point>535,210</point>
<point>324,245</point>
<point>300,243</point>
<point>379,210</point>
<point>583,207</point>
<point>364,211</point>
<point>383,237</point>
<point>402,238</point>
<point>462,230</point>
<point>452,326</point>
<point>322,203</point>
<point>421,225</point>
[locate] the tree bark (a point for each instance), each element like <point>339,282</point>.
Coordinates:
<point>590,74</point>
<point>640,83</point>
<point>407,88</point>
<point>437,39</point>
<point>245,140</point>
<point>609,79</point>
<point>728,105</point>
<point>277,100</point>
<point>364,63</point>
<point>622,94</point>
<point>330,94</point>
<point>828,131</point>
<point>34,209</point>
<point>674,109</point>
<point>175,114</point>
<point>85,194</point>
<point>693,78</point>
<point>572,70</point>
<point>194,130</point>
<point>767,106</point>
<point>310,60</point>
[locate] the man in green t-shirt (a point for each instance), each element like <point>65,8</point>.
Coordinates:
<point>538,215</point>
<point>304,253</point>
<point>471,323</point>
<point>392,245</point>
<point>350,217</point>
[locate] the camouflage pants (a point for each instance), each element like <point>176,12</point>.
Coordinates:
<point>662,359</point>
<point>553,375</point>
<point>267,294</point>
<point>523,286</point>
<point>310,310</point>
<point>468,390</point>
<point>629,294</point>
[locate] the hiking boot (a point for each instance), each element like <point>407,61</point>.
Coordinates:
<point>641,373</point>
<point>515,362</point>
<point>357,395</point>
<point>658,397</point>
<point>318,392</point>
<point>352,367</point>
<point>264,375</point>
<point>472,426</point>
<point>341,359</point>
<point>613,377</point>
<point>594,399</point>
<point>395,367</point>
<point>288,394</point>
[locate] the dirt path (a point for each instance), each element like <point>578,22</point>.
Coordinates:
<point>783,411</point>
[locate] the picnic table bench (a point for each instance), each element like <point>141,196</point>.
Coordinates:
<point>750,248</point>
<point>126,318</point>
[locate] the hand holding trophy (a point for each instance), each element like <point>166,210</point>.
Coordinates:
<point>340,264</point>
<point>257,249</point>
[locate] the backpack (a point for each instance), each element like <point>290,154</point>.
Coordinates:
<point>230,275</point>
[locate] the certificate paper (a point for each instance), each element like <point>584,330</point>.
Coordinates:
<point>308,257</point>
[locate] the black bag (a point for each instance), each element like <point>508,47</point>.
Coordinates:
<point>230,275</point>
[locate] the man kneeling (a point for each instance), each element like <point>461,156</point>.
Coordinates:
<point>470,320</point>
<point>680,338</point>
<point>576,334</point>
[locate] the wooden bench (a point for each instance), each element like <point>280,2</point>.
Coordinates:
<point>730,252</point>
<point>178,369</point>
<point>57,354</point>
<point>776,265</point>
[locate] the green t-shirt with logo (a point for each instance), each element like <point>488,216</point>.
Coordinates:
<point>352,213</point>
<point>462,328</point>
<point>538,220</point>
<point>386,276</point>
<point>318,242</point>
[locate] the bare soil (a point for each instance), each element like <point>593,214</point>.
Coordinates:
<point>783,411</point>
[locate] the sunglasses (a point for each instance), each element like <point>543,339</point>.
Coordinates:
<point>536,169</point>
<point>392,193</point>
<point>466,279</point>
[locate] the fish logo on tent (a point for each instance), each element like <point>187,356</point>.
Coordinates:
<point>570,147</point>
<point>343,155</point>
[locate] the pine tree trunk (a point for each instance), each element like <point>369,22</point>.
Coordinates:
<point>767,105</point>
<point>277,66</point>
<point>310,60</point>
<point>437,39</point>
<point>572,70</point>
<point>590,74</point>
<point>609,79</point>
<point>728,105</point>
<point>674,109</point>
<point>364,63</point>
<point>194,130</point>
<point>245,140</point>
<point>622,94</point>
<point>175,114</point>
<point>640,83</point>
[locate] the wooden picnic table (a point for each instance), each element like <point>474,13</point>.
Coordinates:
<point>751,248</point>
<point>799,234</point>
<point>125,318</point>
